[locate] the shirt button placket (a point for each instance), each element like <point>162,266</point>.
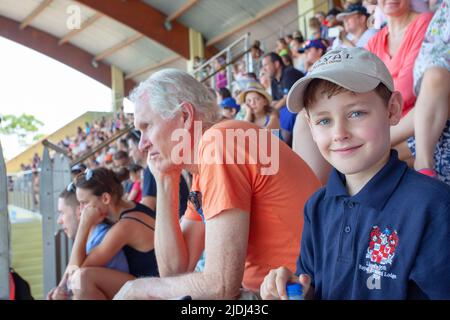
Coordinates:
<point>347,238</point>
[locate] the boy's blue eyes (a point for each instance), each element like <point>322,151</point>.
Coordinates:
<point>353,114</point>
<point>323,122</point>
<point>356,114</point>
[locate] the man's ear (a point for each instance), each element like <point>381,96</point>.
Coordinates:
<point>395,105</point>
<point>187,113</point>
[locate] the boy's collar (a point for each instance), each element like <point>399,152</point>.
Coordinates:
<point>377,191</point>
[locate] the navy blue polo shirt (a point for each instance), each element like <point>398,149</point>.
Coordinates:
<point>389,241</point>
<point>149,190</point>
<point>281,88</point>
<point>289,76</point>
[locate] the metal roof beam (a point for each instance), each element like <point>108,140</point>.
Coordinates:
<point>85,24</point>
<point>146,20</point>
<point>185,7</point>
<point>44,4</point>
<point>118,46</point>
<point>247,23</point>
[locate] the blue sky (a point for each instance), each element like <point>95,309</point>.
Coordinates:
<point>54,93</point>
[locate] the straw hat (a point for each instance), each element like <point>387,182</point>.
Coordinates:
<point>253,86</point>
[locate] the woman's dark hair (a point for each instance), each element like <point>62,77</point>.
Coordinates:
<point>256,44</point>
<point>101,180</point>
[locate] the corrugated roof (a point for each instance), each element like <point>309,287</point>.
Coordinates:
<point>212,18</point>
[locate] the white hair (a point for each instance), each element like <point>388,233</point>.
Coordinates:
<point>165,90</point>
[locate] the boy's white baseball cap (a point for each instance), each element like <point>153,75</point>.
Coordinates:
<point>354,69</point>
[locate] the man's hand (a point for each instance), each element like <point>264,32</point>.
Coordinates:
<point>61,292</point>
<point>132,290</point>
<point>274,284</point>
<point>126,292</point>
<point>160,176</point>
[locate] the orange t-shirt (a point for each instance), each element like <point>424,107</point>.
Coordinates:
<point>275,202</point>
<point>401,65</point>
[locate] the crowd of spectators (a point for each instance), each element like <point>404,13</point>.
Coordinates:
<point>399,37</point>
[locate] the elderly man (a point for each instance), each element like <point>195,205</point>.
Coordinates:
<point>246,200</point>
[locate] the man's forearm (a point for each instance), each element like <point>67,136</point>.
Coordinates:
<point>170,246</point>
<point>280,103</point>
<point>78,254</point>
<point>200,286</point>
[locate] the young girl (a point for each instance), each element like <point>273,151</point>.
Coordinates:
<point>257,103</point>
<point>100,195</point>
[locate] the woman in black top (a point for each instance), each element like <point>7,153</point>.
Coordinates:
<point>100,194</point>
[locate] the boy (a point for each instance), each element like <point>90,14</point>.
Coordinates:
<point>377,230</point>
<point>229,108</point>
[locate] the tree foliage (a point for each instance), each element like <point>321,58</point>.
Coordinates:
<point>21,126</point>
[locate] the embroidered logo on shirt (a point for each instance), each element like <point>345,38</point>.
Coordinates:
<point>379,255</point>
<point>382,246</point>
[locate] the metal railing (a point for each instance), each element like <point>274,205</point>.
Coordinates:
<point>298,20</point>
<point>55,176</point>
<point>23,189</point>
<point>233,52</point>
<point>207,71</point>
<point>5,247</point>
